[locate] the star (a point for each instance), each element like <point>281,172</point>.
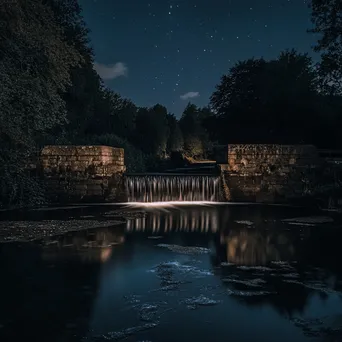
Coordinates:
<point>184,45</point>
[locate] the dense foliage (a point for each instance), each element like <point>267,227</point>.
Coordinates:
<point>274,101</point>
<point>327,20</point>
<point>35,64</point>
<point>50,93</point>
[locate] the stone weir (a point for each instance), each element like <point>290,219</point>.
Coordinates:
<point>172,187</point>
<point>268,173</point>
<point>249,173</point>
<point>87,173</point>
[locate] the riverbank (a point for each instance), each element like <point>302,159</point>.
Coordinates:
<point>27,226</point>
<point>49,222</point>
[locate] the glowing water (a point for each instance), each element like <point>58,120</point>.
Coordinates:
<point>162,222</point>
<point>165,188</point>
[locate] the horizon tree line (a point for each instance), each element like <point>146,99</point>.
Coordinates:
<point>50,93</point>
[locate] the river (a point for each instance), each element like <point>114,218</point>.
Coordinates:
<point>213,272</point>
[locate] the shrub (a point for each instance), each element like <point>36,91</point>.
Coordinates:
<point>135,160</point>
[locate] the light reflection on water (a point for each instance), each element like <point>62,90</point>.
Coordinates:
<point>263,278</point>
<point>189,220</point>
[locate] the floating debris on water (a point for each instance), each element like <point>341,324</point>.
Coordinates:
<point>248,293</point>
<point>227,264</point>
<point>123,334</point>
<point>310,220</point>
<point>318,327</point>
<point>257,282</point>
<point>246,223</point>
<point>185,249</point>
<point>194,302</point>
<point>284,264</point>
<point>302,224</point>
<point>148,312</point>
<point>174,274</point>
<point>317,286</point>
<point>168,269</point>
<point>285,275</point>
<point>255,268</point>
<point>34,230</point>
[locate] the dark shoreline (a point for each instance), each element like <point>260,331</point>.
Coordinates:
<point>28,225</point>
<point>28,228</point>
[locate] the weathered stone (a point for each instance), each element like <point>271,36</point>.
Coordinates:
<point>266,173</point>
<point>83,172</point>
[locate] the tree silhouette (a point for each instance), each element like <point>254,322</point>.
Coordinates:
<point>274,101</point>
<point>152,129</point>
<point>193,132</point>
<point>327,20</point>
<point>175,141</point>
<point>35,69</point>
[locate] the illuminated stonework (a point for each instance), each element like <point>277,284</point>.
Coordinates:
<point>83,172</point>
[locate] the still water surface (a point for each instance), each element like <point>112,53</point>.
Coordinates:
<point>191,273</point>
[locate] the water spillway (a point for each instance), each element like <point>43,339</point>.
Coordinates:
<point>170,187</point>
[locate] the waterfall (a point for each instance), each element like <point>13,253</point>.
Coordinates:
<point>167,188</point>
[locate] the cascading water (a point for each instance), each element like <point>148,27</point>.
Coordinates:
<point>169,188</point>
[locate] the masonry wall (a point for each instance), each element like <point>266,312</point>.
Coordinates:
<point>76,173</point>
<point>268,173</point>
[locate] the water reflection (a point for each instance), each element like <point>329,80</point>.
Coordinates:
<point>266,276</point>
<point>88,245</point>
<point>45,300</point>
<point>255,247</point>
<point>167,221</point>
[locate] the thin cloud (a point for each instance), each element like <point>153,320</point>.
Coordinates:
<point>109,72</point>
<point>190,95</point>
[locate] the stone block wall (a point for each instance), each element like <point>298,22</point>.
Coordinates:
<point>74,173</point>
<point>268,173</point>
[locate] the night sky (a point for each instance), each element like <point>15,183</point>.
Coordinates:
<point>173,52</point>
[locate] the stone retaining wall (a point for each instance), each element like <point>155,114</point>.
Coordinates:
<point>268,173</point>
<point>74,173</point>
